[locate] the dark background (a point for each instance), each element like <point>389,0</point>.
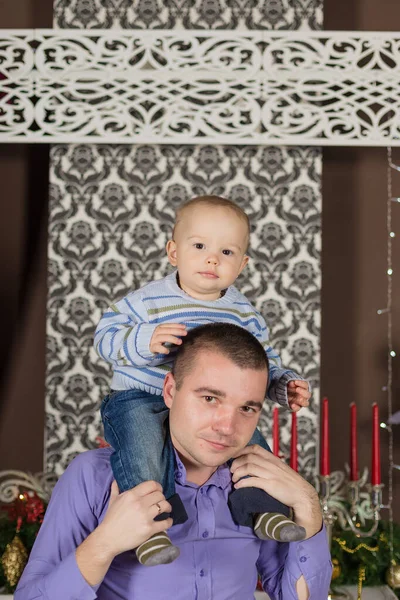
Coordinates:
<point>354,350</point>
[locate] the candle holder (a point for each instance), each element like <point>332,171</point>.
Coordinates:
<point>336,493</point>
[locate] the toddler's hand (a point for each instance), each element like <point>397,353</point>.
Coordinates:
<point>169,333</point>
<point>298,394</point>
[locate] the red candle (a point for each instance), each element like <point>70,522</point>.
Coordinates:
<point>275,432</point>
<point>293,443</point>
<point>325,461</point>
<point>353,443</point>
<point>376,449</point>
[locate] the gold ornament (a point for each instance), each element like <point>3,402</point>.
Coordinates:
<point>393,576</point>
<point>361,578</point>
<point>337,569</point>
<point>14,560</point>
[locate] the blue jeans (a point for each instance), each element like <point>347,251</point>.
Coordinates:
<point>258,439</point>
<point>136,426</point>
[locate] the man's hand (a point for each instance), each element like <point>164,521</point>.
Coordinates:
<point>298,394</point>
<point>170,333</point>
<point>271,474</point>
<point>129,521</point>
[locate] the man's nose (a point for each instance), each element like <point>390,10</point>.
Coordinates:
<point>225,423</point>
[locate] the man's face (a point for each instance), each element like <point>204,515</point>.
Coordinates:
<point>216,410</point>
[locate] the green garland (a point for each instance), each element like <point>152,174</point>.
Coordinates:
<point>376,562</point>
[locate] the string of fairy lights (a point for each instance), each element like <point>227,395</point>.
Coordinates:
<point>391,353</point>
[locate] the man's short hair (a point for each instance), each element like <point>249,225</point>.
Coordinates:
<point>232,341</point>
<point>213,201</point>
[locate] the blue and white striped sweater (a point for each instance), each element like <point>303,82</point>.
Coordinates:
<point>123,334</point>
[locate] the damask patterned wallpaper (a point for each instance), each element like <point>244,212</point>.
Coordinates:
<point>111,213</point>
<point>188,14</point>
<point>112,210</point>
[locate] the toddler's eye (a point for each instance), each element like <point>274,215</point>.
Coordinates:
<point>199,246</point>
<point>227,252</point>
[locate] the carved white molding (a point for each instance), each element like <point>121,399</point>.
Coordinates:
<point>200,87</point>
<point>12,483</point>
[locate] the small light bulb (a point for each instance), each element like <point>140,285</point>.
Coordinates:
<point>21,496</point>
<point>392,234</point>
<point>392,353</point>
<point>390,271</point>
<point>383,425</point>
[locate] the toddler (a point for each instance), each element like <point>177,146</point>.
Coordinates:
<point>137,335</point>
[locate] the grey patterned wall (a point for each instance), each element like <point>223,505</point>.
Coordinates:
<point>112,209</point>
<point>188,14</point>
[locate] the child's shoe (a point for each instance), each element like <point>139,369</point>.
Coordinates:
<point>274,526</point>
<point>157,550</point>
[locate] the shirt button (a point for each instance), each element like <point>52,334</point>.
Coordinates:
<point>202,573</point>
<point>201,490</point>
<point>303,558</point>
<point>205,535</point>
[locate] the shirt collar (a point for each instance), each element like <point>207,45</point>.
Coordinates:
<point>220,478</point>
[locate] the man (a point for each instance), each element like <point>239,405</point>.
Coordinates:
<point>215,395</point>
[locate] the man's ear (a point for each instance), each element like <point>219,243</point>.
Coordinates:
<point>169,389</point>
<point>171,252</point>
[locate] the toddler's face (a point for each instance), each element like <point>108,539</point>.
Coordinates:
<point>208,250</point>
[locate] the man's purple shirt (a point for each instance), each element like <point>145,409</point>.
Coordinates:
<point>219,560</point>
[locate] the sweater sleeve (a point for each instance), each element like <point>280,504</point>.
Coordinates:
<point>279,377</point>
<point>52,571</point>
<point>123,334</point>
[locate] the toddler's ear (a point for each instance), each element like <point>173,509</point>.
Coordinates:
<point>244,262</point>
<point>171,252</point>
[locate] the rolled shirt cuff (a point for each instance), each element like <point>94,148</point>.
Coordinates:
<point>311,558</point>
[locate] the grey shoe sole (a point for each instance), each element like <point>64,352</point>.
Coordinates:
<point>293,533</point>
<point>288,533</point>
<point>163,557</point>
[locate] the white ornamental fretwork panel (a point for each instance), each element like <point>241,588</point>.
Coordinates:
<point>191,87</point>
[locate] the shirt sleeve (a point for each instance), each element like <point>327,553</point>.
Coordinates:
<point>123,334</point>
<point>278,376</point>
<point>281,565</point>
<point>52,571</point>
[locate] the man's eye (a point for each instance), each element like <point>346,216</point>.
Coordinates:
<point>227,252</point>
<point>209,399</point>
<point>248,409</point>
<point>199,246</point>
